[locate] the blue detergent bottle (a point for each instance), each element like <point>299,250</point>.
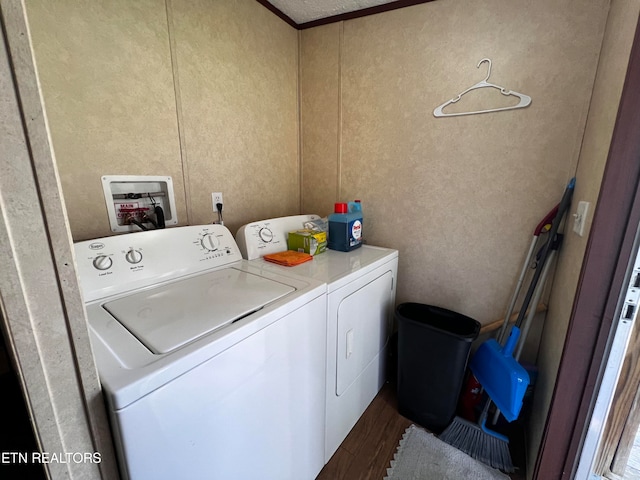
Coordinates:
<point>345,227</point>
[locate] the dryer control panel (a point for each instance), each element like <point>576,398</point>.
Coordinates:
<point>261,238</point>
<point>111,265</point>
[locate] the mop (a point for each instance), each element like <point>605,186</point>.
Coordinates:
<point>502,377</point>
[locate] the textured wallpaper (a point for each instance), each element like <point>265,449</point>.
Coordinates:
<point>237,69</point>
<point>459,197</point>
<point>203,91</point>
<point>105,70</point>
<point>320,117</point>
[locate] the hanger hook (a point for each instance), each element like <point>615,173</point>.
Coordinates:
<point>489,62</point>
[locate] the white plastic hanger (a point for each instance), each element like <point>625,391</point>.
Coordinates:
<point>525,100</point>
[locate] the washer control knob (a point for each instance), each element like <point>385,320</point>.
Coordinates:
<point>133,256</point>
<point>102,262</point>
<point>209,242</point>
<point>265,235</point>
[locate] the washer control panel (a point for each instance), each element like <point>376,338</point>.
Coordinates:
<point>111,265</point>
<point>261,238</point>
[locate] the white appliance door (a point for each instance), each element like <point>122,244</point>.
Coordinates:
<point>358,327</point>
<point>255,411</point>
<point>166,317</point>
<point>363,329</point>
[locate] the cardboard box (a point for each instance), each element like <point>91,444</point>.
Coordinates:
<point>312,242</point>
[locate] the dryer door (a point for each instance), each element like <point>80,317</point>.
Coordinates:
<point>363,328</point>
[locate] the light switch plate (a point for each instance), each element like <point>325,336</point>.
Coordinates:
<point>580,218</point>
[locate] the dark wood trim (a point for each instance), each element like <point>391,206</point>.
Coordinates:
<point>343,16</point>
<point>608,250</point>
<point>362,13</point>
<point>274,10</point>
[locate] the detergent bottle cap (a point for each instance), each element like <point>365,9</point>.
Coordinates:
<point>340,208</point>
<point>355,207</point>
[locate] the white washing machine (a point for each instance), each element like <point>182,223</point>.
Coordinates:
<point>211,367</point>
<point>361,291</point>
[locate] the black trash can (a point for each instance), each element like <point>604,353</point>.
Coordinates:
<point>433,349</point>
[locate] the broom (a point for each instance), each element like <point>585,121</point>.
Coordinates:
<point>476,440</point>
<point>471,394</point>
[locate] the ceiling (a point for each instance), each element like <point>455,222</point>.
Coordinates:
<point>301,12</point>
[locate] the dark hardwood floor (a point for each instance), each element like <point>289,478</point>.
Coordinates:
<point>368,449</point>
<point>371,444</point>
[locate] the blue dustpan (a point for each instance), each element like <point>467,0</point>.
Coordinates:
<point>501,376</point>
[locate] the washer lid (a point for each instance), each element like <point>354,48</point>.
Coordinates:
<point>166,317</point>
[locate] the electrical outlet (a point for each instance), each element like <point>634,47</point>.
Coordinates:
<point>216,197</point>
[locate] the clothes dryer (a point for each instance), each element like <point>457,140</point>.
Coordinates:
<point>361,291</point>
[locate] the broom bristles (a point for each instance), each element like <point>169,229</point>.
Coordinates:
<point>486,446</point>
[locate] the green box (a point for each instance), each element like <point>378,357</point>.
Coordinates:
<point>309,241</point>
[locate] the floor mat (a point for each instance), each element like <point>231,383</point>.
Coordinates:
<point>422,456</point>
